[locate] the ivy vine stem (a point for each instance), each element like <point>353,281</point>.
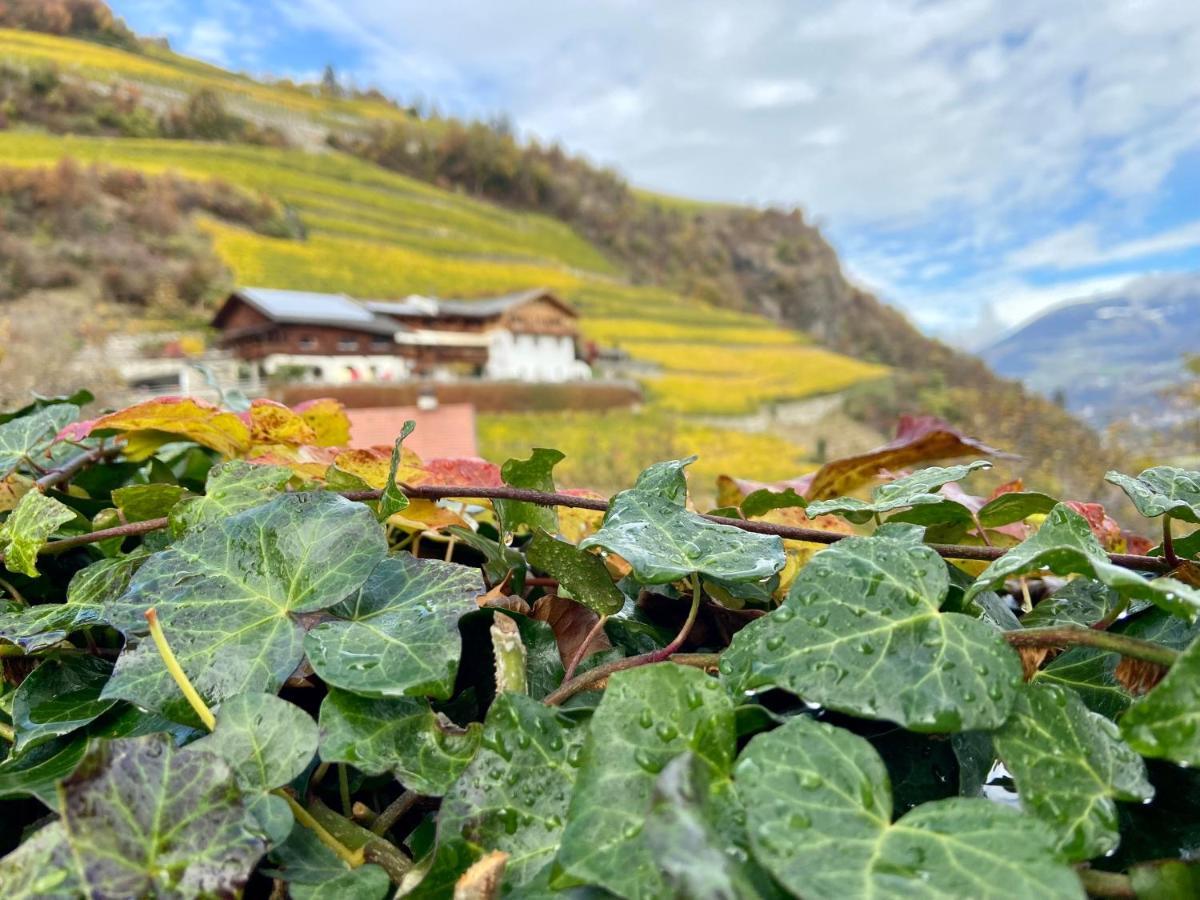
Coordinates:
<point>1106,884</point>
<point>1078,635</point>
<point>594,676</point>
<point>1168,543</point>
<point>181,679</point>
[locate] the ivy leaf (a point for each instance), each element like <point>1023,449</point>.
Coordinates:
<point>149,425</point>
<point>765,500</point>
<point>143,818</point>
<point>1070,765</point>
<point>1162,490</point>
<point>37,771</point>
<point>328,420</point>
<point>24,533</point>
<point>666,479</point>
<point>1166,722</point>
<point>232,487</point>
<point>313,872</point>
<point>59,696</point>
<point>142,502</point>
<point>917,489</point>
<point>227,596</point>
<point>648,716</point>
<point>265,740</point>
<point>861,632</point>
<point>664,542</point>
<point>819,815</point>
<point>1065,545</point>
<point>514,794</point>
<point>41,868</point>
<point>422,749</point>
<point>1014,506</point>
<point>34,628</point>
<point>582,574</point>
<point>499,560</point>
<point>398,635</point>
<point>685,841</point>
<point>30,436</point>
<point>393,500</point>
<point>535,474</point>
<point>1080,601</point>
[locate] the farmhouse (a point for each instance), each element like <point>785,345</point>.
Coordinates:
<point>332,338</point>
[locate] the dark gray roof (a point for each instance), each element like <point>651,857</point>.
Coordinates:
<point>307,308</point>
<point>432,307</point>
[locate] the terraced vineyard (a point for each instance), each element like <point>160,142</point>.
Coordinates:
<point>371,232</point>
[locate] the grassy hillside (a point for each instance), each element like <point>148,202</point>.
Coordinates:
<point>702,294</point>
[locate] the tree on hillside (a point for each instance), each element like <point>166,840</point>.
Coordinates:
<point>83,18</point>
<point>330,86</point>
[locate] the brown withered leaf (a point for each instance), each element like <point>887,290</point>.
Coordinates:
<point>1032,659</point>
<point>1103,526</point>
<point>571,623</point>
<point>919,439</point>
<point>482,880</point>
<point>1138,676</point>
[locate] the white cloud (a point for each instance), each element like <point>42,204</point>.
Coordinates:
<point>210,40</point>
<point>1080,245</point>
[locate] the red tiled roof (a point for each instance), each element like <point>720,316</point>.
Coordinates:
<point>448,430</point>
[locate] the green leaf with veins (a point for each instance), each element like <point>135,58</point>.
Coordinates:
<point>764,500</point>
<point>647,716</point>
<point>28,437</point>
<point>685,840</point>
<point>425,751</point>
<point>666,479</point>
<point>1013,507</point>
<point>397,636</point>
<point>105,580</point>
<point>141,502</point>
<point>664,542</point>
<point>34,519</point>
<point>514,794</point>
<point>535,474</point>
<point>582,574</point>
<point>37,771</point>
<point>232,487</point>
<point>1070,766</point>
<point>1166,722</point>
<point>227,597</point>
<point>1162,490</point>
<point>1080,601</point>
<point>1065,545</point>
<point>819,815</point>
<point>41,868</point>
<point>59,696</point>
<point>917,489</point>
<point>142,818</point>
<point>861,632</point>
<point>34,628</point>
<point>394,500</point>
<point>265,740</point>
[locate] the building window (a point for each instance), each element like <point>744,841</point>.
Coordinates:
<point>380,343</point>
<point>308,342</point>
<point>348,344</point>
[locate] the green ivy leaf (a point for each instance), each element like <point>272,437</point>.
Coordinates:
<point>1166,722</point>
<point>1070,765</point>
<point>423,750</point>
<point>685,841</point>
<point>1065,545</point>
<point>231,487</point>
<point>364,883</point>
<point>498,559</point>
<point>514,794</point>
<point>104,580</point>
<point>265,740</point>
<point>917,489</point>
<point>664,542</point>
<point>1013,507</point>
<point>819,810</point>
<point>142,502</point>
<point>143,818</point>
<point>397,636</point>
<point>394,500</point>
<point>37,771</point>
<point>1162,490</point>
<point>1080,601</point>
<point>34,519</point>
<point>227,596</point>
<point>41,868</point>
<point>535,474</point>
<point>59,696</point>
<point>648,716</point>
<point>666,479</point>
<point>29,437</point>
<point>764,500</point>
<point>34,628</point>
<point>582,574</point>
<point>861,631</point>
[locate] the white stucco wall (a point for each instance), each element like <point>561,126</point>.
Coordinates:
<point>530,357</point>
<point>341,369</point>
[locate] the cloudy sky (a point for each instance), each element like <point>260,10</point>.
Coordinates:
<point>962,156</point>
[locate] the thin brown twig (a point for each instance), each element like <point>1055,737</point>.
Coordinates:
<point>74,465</point>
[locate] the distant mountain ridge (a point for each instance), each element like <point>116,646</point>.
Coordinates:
<point>1107,355</point>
